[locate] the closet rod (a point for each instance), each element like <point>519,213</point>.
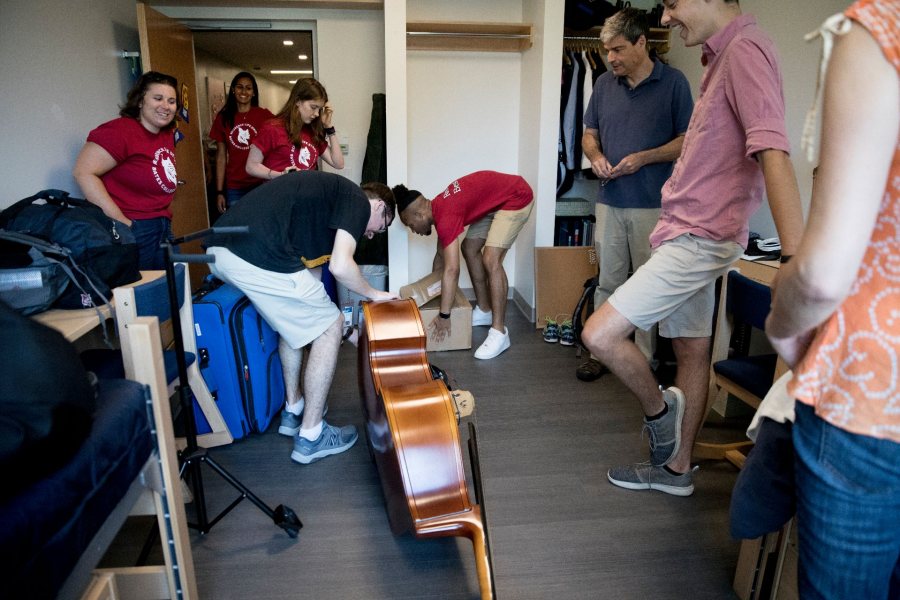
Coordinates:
<point>582,37</point>
<point>515,36</point>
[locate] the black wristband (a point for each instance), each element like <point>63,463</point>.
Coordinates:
<point>785,257</point>
<point>443,315</point>
<point>329,131</point>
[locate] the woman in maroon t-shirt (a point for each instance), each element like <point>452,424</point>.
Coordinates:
<point>127,166</point>
<point>301,133</point>
<point>234,129</point>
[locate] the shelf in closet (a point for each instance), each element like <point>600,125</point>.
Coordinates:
<point>463,36</point>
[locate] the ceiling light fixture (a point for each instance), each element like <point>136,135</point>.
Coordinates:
<point>303,57</point>
<point>288,42</point>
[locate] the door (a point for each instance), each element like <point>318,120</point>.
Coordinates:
<point>167,46</point>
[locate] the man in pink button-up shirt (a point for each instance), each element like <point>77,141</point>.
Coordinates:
<point>735,146</point>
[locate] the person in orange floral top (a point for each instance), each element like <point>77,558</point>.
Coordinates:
<point>836,320</point>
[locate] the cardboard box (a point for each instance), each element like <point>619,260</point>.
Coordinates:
<point>559,276</point>
<point>426,294</point>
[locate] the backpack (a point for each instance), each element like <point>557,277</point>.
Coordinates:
<point>105,249</point>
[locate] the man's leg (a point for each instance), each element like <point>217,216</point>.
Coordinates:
<point>692,378</point>
<point>492,258</point>
<point>291,365</point>
<point>471,250</point>
<point>323,355</point>
<point>607,334</point>
<point>640,224</point>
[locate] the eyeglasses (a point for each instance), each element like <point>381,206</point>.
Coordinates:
<point>388,217</point>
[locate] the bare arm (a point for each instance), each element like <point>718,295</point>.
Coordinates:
<point>256,167</point>
<point>784,197</point>
<point>860,127</point>
<point>590,145</point>
<point>333,155</point>
<point>92,162</point>
<point>221,161</point>
<point>345,269</point>
<point>439,328</point>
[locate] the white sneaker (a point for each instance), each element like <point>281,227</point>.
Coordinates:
<point>495,343</point>
<point>479,317</point>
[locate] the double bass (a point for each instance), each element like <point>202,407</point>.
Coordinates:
<point>413,433</point>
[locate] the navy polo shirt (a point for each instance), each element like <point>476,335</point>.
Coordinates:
<point>629,120</point>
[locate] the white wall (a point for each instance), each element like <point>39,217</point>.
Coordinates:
<point>786,21</point>
<point>63,75</point>
<point>463,112</point>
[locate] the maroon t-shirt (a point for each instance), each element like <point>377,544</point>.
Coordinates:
<point>238,139</point>
<point>473,196</point>
<point>144,179</point>
<point>279,152</point>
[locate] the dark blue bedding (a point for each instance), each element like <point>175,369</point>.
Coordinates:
<point>45,528</point>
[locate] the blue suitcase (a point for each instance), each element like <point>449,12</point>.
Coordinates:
<point>238,353</point>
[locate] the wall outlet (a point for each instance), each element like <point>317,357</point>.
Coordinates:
<point>345,149</point>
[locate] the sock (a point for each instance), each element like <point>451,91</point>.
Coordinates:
<point>660,414</point>
<point>313,433</point>
<point>296,408</point>
<point>676,473</point>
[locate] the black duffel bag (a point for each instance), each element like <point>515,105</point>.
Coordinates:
<point>105,249</point>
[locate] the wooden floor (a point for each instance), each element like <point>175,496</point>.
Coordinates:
<point>558,528</point>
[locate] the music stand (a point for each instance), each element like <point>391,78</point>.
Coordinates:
<point>193,456</point>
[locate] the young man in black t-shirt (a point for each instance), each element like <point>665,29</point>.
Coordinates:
<point>297,223</point>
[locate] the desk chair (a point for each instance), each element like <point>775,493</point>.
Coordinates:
<point>743,307</point>
<point>149,297</point>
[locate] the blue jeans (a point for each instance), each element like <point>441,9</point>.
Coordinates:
<point>150,233</point>
<point>232,196</point>
<point>848,511</point>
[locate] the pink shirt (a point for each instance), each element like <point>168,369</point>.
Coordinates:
<point>279,152</point>
<point>472,197</point>
<point>143,181</point>
<point>717,184</point>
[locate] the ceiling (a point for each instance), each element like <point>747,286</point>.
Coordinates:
<point>260,52</point>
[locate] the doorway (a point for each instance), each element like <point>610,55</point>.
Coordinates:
<point>275,57</point>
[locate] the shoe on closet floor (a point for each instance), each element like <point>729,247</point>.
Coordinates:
<point>566,333</point>
<point>644,476</point>
<point>591,370</point>
<point>332,440</point>
<point>495,343</point>
<point>481,318</point>
<point>551,331</point>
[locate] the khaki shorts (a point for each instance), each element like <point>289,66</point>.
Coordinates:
<point>501,228</point>
<point>295,305</point>
<point>676,287</point>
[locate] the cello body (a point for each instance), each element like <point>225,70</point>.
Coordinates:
<point>412,431</point>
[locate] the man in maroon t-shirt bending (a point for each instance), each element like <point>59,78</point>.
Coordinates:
<point>494,206</point>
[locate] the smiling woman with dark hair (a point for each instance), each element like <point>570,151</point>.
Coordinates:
<point>234,129</point>
<point>127,165</point>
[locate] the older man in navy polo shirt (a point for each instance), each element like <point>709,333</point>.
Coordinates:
<point>634,127</point>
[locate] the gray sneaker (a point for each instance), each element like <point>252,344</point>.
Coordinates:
<point>290,423</point>
<point>332,440</point>
<point>644,476</point>
<point>665,432</point>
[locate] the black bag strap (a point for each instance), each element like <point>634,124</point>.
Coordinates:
<point>59,198</point>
